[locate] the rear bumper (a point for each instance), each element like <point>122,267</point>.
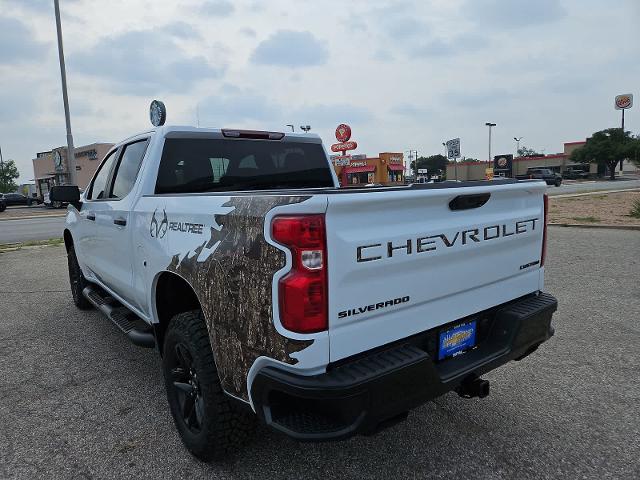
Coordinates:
<point>366,393</point>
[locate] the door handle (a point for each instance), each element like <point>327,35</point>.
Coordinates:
<point>91,216</point>
<point>467,202</point>
<point>120,221</point>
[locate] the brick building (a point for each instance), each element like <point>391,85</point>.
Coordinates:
<point>51,168</point>
<point>387,168</point>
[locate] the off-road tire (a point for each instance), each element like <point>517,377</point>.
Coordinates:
<point>223,426</point>
<point>77,281</point>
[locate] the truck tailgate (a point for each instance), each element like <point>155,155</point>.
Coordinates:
<point>402,262</point>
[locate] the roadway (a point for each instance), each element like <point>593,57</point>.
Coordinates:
<point>41,224</point>
<point>592,186</point>
<point>22,230</point>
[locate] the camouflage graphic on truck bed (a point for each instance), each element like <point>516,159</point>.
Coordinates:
<point>233,285</point>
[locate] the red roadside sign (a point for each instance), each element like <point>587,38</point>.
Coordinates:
<point>343,147</point>
<point>343,133</point>
<point>624,101</point>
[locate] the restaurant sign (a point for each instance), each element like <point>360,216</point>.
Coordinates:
<point>343,135</point>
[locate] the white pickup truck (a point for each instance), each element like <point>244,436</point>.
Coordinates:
<point>273,294</point>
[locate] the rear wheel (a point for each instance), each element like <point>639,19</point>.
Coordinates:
<point>208,424</point>
<point>77,281</point>
<point>558,182</point>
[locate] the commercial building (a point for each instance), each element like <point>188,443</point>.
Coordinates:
<point>387,168</point>
<point>52,168</point>
<point>558,162</point>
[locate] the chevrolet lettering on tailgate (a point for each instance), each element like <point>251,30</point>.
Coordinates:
<point>429,243</point>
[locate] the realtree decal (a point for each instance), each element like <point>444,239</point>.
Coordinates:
<point>233,285</point>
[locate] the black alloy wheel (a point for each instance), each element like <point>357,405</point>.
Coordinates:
<point>209,425</point>
<point>187,387</point>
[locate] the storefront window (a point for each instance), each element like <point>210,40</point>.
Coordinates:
<point>356,178</point>
<point>395,176</point>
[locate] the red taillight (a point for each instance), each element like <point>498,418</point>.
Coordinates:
<point>303,291</point>
<point>544,231</point>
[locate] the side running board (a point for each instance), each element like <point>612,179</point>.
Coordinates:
<point>121,318</point>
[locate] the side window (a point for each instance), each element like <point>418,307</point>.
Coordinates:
<point>127,169</point>
<point>99,184</point>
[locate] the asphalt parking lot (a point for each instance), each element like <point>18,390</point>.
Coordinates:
<point>78,401</point>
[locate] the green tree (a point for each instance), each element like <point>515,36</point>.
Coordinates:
<point>635,157</point>
<point>8,175</point>
<point>435,164</point>
<point>528,152</point>
<point>608,147</point>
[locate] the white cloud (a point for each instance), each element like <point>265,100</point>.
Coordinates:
<point>217,8</point>
<point>144,62</point>
<point>18,44</point>
<point>288,48</point>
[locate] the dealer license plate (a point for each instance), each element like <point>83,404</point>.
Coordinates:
<point>457,340</point>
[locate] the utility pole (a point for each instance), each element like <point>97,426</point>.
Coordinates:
<point>622,159</point>
<point>71,158</point>
<point>490,125</point>
<point>1,171</point>
<point>517,139</point>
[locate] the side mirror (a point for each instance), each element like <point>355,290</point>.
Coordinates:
<point>66,193</point>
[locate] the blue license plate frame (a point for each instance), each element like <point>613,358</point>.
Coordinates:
<point>457,340</point>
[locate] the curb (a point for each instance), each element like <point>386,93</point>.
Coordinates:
<point>13,246</point>
<point>33,216</point>
<point>596,226</point>
<point>594,192</point>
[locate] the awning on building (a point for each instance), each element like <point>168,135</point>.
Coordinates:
<point>395,167</point>
<point>365,168</point>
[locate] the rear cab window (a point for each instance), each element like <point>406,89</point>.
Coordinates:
<point>191,165</point>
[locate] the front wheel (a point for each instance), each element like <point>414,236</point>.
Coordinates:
<point>77,281</point>
<point>558,183</point>
<point>207,422</point>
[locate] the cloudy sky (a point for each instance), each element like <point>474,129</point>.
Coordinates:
<point>406,74</point>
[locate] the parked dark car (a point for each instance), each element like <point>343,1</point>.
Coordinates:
<point>546,174</point>
<point>17,199</point>
<point>573,172</point>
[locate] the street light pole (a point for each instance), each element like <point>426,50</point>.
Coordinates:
<point>1,170</point>
<point>490,125</point>
<point>517,139</point>
<point>292,127</point>
<point>71,158</point>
